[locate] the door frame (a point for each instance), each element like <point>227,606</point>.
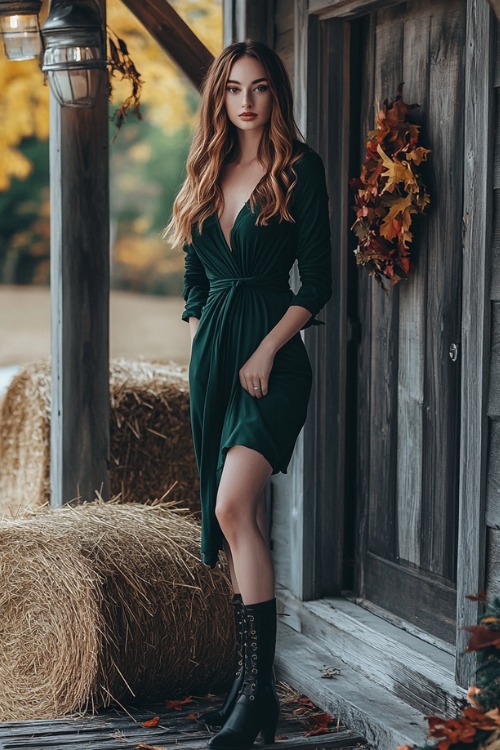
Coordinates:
<point>320,505</point>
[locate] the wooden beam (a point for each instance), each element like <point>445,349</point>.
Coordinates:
<point>349,8</point>
<point>79,190</point>
<point>475,323</point>
<point>174,36</point>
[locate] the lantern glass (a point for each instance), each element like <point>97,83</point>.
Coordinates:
<point>72,79</point>
<point>21,36</point>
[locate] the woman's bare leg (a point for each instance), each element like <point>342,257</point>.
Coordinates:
<point>240,512</point>
<point>261,521</point>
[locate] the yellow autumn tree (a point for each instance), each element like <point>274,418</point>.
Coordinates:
<point>24,99</point>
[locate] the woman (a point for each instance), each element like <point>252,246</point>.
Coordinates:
<point>254,200</point>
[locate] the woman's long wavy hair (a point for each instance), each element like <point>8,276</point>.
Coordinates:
<point>215,141</point>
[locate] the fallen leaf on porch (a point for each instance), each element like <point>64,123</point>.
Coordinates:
<point>319,724</point>
<point>151,722</point>
<point>281,737</point>
<point>142,746</point>
<point>482,637</point>
<point>176,704</point>
<point>329,673</point>
<point>192,717</point>
<point>305,701</point>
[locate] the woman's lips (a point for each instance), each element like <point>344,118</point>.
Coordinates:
<point>248,116</point>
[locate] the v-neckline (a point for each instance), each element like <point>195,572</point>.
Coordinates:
<point>228,242</point>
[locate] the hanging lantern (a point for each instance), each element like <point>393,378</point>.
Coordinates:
<point>75,52</point>
<point>20,29</point>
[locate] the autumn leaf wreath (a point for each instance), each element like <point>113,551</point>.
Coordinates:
<point>388,192</point>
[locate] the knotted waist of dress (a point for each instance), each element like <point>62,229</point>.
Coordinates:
<point>261,283</point>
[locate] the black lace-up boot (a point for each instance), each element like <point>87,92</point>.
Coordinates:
<point>217,718</point>
<point>257,707</point>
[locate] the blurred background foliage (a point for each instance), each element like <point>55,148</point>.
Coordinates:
<point>146,158</point>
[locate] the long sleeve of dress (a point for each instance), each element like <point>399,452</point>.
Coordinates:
<point>313,241</point>
<point>196,285</point>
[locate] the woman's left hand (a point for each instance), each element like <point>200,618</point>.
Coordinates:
<point>254,375</point>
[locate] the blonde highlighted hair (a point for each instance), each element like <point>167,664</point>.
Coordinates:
<point>216,138</point>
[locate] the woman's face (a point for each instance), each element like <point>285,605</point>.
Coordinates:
<point>248,98</point>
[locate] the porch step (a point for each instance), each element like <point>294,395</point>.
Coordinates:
<point>384,720</point>
<point>418,672</point>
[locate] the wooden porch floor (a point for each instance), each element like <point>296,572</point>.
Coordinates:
<point>120,729</point>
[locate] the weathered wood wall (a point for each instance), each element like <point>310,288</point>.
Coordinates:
<point>493,471</point>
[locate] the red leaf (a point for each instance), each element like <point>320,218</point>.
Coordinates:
<point>481,597</point>
<point>176,704</point>
<point>151,722</point>
<point>281,737</point>
<point>319,724</point>
<point>482,637</point>
<point>192,717</point>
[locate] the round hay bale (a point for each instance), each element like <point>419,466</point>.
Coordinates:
<point>107,602</point>
<point>151,448</point>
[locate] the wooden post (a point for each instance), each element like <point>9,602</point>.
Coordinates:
<point>79,196</point>
<point>244,19</point>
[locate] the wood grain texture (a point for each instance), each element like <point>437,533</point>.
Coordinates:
<point>348,8</point>
<point>493,480</point>
<point>493,564</point>
<point>389,45</point>
<point>475,323</point>
<point>444,131</point>
<point>174,36</point>
<point>495,239</point>
<point>384,720</point>
<point>494,374</point>
<point>411,344</point>
<point>79,191</point>
<point>420,673</point>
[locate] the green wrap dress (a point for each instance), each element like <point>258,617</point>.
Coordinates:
<point>239,293</point>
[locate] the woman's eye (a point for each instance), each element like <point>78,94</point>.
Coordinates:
<point>232,89</point>
<point>262,88</point>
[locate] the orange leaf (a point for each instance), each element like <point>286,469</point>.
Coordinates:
<point>191,717</point>
<point>151,722</point>
<point>176,704</point>
<point>281,737</point>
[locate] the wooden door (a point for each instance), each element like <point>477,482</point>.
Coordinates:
<point>407,408</point>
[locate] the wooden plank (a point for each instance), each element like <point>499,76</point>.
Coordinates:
<point>79,200</point>
<point>112,730</point>
<point>496,151</point>
<point>348,8</point>
<point>385,721</point>
<point>412,597</point>
<point>174,36</point>
<point>412,317</point>
<point>495,241</point>
<point>444,131</point>
<point>475,323</point>
<point>494,374</point>
<point>493,564</point>
<point>384,327</point>
<point>284,29</point>
<point>417,672</point>
<point>366,74</point>
<point>493,476</point>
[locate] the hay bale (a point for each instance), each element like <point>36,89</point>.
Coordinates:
<point>103,602</point>
<point>151,445</point>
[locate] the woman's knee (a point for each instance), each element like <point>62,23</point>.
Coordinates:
<point>228,511</point>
